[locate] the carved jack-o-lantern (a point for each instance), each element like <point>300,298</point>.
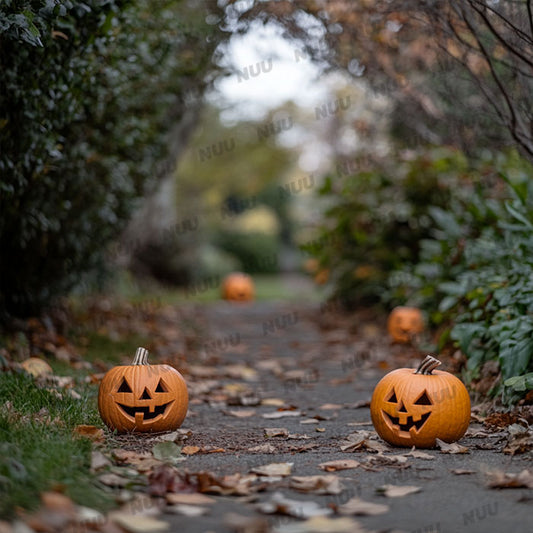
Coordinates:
<point>238,287</point>
<point>404,323</point>
<point>415,407</point>
<point>143,397</point>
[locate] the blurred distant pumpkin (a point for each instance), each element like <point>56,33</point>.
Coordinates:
<point>143,397</point>
<point>404,323</point>
<point>238,287</point>
<point>415,407</point>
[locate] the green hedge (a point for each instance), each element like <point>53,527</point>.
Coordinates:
<point>89,92</point>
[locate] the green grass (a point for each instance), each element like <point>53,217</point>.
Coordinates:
<point>37,452</point>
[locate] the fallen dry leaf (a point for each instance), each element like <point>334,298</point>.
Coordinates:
<point>509,480</point>
<point>241,413</point>
<point>273,402</point>
<point>234,484</point>
<point>278,503</point>
<point>520,439</point>
<point>90,432</point>
<point>310,421</point>
<point>273,469</point>
<point>451,448</point>
<point>138,523</point>
<point>325,484</point>
<point>397,491</point>
<point>331,406</point>
<point>165,479</point>
<point>360,441</point>
<point>420,455</point>
<point>380,459</point>
<point>356,506</point>
<point>98,461</point>
<point>276,432</point>
<point>341,464</point>
<point>36,367</point>
<point>281,414</point>
<point>190,450</point>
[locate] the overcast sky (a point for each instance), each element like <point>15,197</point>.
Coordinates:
<point>284,75</point>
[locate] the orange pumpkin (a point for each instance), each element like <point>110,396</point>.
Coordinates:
<point>143,397</point>
<point>404,323</point>
<point>415,407</point>
<point>238,287</point>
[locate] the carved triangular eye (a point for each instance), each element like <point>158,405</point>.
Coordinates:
<point>161,387</point>
<point>124,387</point>
<point>392,397</point>
<point>424,400</point>
<point>145,395</point>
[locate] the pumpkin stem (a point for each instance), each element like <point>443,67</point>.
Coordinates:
<point>141,357</point>
<point>428,365</point>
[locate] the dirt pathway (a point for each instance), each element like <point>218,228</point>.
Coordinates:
<point>275,383</point>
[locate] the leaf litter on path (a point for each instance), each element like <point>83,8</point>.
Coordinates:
<point>508,480</point>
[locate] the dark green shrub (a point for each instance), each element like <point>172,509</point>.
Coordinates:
<point>89,91</point>
<point>476,274</point>
<point>256,252</point>
<point>379,218</point>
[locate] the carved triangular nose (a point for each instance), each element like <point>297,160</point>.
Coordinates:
<point>145,395</point>
<point>402,408</point>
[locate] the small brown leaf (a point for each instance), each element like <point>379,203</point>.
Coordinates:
<point>342,464</point>
<point>276,432</point>
<point>420,455</point>
<point>397,491</point>
<point>98,461</point>
<point>508,480</point>
<point>90,432</point>
<point>281,414</point>
<point>138,523</point>
<point>451,448</point>
<point>241,413</point>
<point>273,469</point>
<point>36,367</point>
<point>326,484</point>
<point>190,450</point>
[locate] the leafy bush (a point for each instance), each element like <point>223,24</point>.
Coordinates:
<point>89,92</point>
<point>451,236</point>
<point>477,273</point>
<point>379,217</point>
<point>256,252</point>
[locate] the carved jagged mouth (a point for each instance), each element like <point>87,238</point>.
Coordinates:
<point>147,415</point>
<point>410,422</point>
